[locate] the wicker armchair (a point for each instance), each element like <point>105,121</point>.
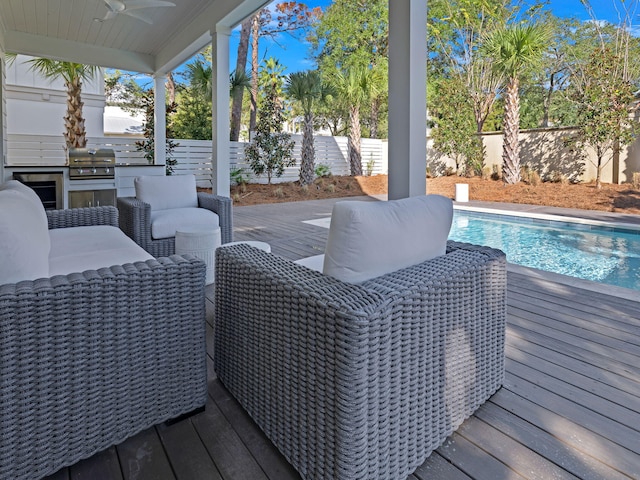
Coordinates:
<point>135,221</point>
<point>360,381</point>
<point>166,204</point>
<point>89,359</point>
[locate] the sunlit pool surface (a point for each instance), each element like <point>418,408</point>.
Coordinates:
<point>602,254</point>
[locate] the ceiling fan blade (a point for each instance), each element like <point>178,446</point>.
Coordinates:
<point>136,4</point>
<point>114,6</point>
<point>110,14</point>
<point>139,16</point>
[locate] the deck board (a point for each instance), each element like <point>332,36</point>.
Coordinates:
<point>569,408</point>
<point>142,457</point>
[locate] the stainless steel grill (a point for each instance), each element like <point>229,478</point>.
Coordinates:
<point>91,163</point>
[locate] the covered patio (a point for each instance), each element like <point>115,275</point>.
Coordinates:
<point>569,407</point>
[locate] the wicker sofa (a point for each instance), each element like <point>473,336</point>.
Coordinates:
<point>360,381</point>
<point>89,359</point>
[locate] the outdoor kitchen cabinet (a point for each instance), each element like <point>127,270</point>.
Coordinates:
<point>92,198</point>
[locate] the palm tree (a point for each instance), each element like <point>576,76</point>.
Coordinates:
<point>199,74</point>
<point>72,73</point>
<point>355,87</point>
<point>307,89</point>
<point>514,49</point>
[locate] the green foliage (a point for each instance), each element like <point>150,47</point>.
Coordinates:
<point>121,89</point>
<point>307,90</point>
<point>192,119</point>
<point>454,133</point>
<point>604,96</point>
<point>322,170</point>
<point>238,176</point>
<point>354,35</point>
<point>271,150</point>
<point>148,144</point>
<point>73,74</point>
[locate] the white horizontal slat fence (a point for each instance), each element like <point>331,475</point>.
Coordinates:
<point>194,156</point>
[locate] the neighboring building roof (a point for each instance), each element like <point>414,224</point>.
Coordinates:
<point>117,121</point>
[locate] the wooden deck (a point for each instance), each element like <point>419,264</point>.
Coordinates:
<point>570,406</point>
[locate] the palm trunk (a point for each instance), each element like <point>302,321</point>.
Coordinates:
<point>255,35</point>
<point>75,134</point>
<point>307,161</point>
<point>511,146</point>
<point>171,88</point>
<point>375,114</point>
<point>355,158</point>
<point>241,65</point>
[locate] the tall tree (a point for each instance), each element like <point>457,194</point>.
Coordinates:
<point>271,150</point>
<point>241,66</point>
<point>307,89</point>
<point>355,87</point>
<point>290,18</point>
<point>605,98</point>
<point>514,49</point>
<point>354,34</point>
<point>456,31</point>
<point>73,74</point>
<point>454,132</point>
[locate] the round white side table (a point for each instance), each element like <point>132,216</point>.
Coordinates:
<point>201,244</point>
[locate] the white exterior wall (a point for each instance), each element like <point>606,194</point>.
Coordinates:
<point>37,106</point>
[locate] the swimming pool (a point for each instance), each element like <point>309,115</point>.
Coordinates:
<point>608,255</point>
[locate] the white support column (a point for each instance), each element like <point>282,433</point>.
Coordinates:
<point>220,119</point>
<point>3,112</point>
<point>159,120</point>
<point>407,98</point>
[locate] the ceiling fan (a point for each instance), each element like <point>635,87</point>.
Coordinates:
<point>131,7</point>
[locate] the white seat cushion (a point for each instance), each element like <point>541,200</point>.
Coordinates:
<point>76,249</point>
<point>165,223</point>
<point>24,237</point>
<point>162,193</point>
<point>369,239</point>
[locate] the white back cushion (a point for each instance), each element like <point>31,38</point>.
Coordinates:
<point>162,193</point>
<point>369,239</point>
<point>29,194</point>
<point>24,237</point>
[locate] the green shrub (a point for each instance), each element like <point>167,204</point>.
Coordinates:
<point>238,176</point>
<point>322,170</point>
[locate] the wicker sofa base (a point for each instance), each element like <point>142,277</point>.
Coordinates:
<point>90,359</point>
<point>360,382</point>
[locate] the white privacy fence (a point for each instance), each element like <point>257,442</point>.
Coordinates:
<point>194,156</point>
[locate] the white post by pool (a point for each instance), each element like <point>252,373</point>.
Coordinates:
<point>220,108</point>
<point>407,98</point>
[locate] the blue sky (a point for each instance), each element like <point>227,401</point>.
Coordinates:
<point>294,54</point>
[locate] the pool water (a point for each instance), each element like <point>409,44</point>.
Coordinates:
<point>602,254</point>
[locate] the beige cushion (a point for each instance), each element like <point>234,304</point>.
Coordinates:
<point>165,223</point>
<point>24,236</point>
<point>162,193</point>
<point>369,239</point>
<point>76,249</point>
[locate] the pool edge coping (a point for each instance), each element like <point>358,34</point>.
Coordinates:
<point>550,217</point>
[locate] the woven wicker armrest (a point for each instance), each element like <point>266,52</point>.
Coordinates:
<point>90,359</point>
<point>360,381</point>
<point>135,219</point>
<point>82,217</point>
<point>223,207</point>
